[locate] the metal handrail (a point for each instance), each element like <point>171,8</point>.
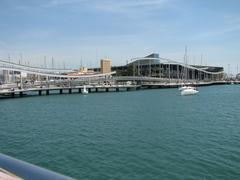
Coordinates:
<point>28,171</point>
<point>57,75</point>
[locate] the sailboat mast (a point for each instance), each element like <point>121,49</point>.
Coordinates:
<point>185,65</point>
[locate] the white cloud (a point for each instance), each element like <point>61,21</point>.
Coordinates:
<point>112,5</point>
<point>63,2</point>
<point>218,32</point>
<point>129,8</point>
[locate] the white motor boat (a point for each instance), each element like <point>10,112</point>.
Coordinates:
<point>84,91</point>
<point>189,91</point>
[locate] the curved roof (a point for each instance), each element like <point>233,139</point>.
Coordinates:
<point>205,69</point>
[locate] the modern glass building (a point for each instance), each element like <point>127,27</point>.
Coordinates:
<point>154,66</point>
<point>145,66</point>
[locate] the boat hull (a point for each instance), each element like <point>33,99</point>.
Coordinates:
<point>85,92</point>
<point>188,92</point>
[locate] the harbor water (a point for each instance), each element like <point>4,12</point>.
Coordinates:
<point>148,134</point>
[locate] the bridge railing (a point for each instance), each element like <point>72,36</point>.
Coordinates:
<point>33,68</point>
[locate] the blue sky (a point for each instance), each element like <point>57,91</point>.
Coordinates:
<point>71,30</point>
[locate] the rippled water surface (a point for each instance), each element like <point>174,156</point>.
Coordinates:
<point>151,134</point>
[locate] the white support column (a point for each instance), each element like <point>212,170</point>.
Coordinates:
<point>177,73</point>
<point>169,72</point>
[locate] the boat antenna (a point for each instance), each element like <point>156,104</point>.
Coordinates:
<point>185,64</point>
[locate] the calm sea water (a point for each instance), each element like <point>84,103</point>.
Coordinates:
<point>151,134</point>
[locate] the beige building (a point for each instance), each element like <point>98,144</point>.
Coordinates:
<point>106,65</point>
<point>83,70</point>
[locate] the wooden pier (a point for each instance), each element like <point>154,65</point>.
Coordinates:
<point>11,93</point>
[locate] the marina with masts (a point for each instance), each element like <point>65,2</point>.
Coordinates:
<point>147,72</point>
